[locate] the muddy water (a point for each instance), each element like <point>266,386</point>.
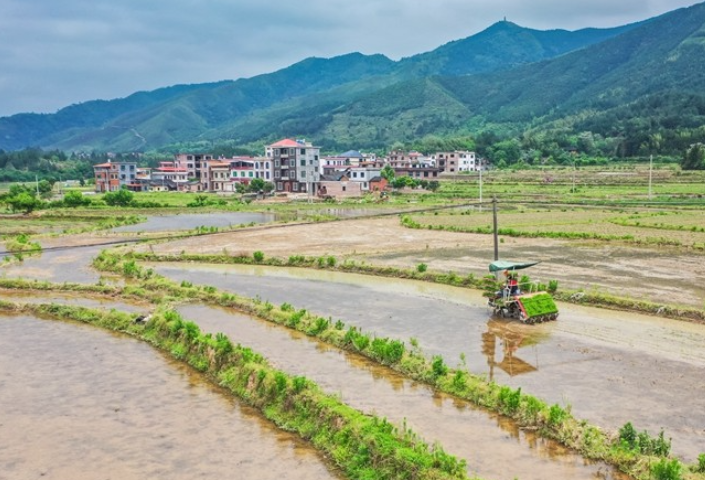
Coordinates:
<point>653,274</point>
<point>69,265</point>
<point>189,221</point>
<point>462,429</point>
<point>610,367</point>
<point>80,403</point>
<point>82,299</point>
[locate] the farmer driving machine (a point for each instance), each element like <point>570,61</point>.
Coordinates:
<point>512,299</point>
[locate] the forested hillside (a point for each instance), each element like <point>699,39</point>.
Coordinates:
<point>301,99</point>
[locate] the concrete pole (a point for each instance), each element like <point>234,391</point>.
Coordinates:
<point>494,223</point>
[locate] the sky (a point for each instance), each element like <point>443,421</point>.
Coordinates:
<point>54,53</point>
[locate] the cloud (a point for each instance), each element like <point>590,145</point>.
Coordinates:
<point>53,54</point>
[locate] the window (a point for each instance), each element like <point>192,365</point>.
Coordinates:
<point>280,186</point>
<point>303,162</point>
<point>276,174</point>
<point>344,188</point>
<point>292,151</point>
<point>292,174</point>
<point>295,187</point>
<point>303,174</point>
<point>276,163</point>
<point>303,151</point>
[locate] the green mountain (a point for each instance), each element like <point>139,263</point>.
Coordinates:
<point>301,99</point>
<point>502,46</point>
<point>638,92</point>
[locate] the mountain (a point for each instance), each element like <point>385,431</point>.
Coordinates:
<point>647,81</point>
<point>502,46</point>
<point>299,99</point>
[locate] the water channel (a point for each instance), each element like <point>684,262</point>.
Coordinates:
<point>485,440</point>
<point>81,403</point>
<point>604,364</point>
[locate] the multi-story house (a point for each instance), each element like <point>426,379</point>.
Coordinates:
<point>351,158</point>
<point>364,175</point>
<point>168,176</point>
<point>399,159</point>
<point>457,161</point>
<point>112,176</point>
<point>242,172</point>
<point>215,176</point>
<point>295,166</point>
<point>263,167</point>
<point>192,162</point>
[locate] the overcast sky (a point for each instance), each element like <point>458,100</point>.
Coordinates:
<point>54,53</point>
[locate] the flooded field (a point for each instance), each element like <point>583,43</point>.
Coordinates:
<point>484,440</point>
<point>656,274</point>
<point>610,367</point>
<point>80,403</point>
<point>81,299</point>
<point>61,265</point>
<point>189,221</point>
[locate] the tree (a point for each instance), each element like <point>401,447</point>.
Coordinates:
<point>23,202</point>
<point>256,185</point>
<point>387,173</point>
<point>119,198</point>
<point>74,199</point>
<point>694,157</point>
<point>45,187</point>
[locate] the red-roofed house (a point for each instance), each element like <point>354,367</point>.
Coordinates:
<point>295,166</point>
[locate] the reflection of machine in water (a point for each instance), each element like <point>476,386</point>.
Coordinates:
<point>512,336</point>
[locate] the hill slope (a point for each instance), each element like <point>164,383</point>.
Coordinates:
<point>221,110</point>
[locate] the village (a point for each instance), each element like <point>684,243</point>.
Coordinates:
<point>288,167</point>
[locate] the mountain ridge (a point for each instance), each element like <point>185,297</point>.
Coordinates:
<point>465,82</point>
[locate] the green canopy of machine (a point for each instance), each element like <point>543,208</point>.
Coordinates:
<point>500,265</point>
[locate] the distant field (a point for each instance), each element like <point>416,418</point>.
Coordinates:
<point>663,228</point>
<point>586,184</point>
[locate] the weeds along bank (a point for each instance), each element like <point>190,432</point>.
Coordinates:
<point>641,458</point>
<point>362,446</point>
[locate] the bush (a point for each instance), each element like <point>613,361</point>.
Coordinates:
<point>438,368</point>
<point>258,256</point>
<point>701,463</point>
<point>421,267</point>
<point>119,198</point>
<point>74,199</point>
<point>666,469</point>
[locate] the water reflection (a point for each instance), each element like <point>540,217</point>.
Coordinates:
<point>511,336</point>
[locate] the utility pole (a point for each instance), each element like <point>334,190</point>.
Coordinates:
<point>651,169</point>
<point>494,224</point>
<point>480,187</point>
<point>573,190</point>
